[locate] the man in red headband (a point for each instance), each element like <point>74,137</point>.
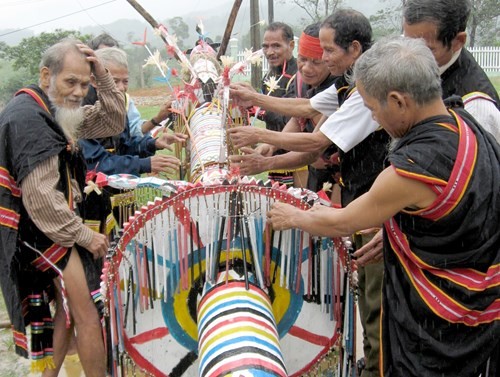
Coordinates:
<point>313,77</point>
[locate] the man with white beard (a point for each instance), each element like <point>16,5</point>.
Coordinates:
<point>47,254</point>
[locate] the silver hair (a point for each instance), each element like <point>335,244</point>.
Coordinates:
<point>399,64</point>
<point>112,56</point>
<point>53,57</point>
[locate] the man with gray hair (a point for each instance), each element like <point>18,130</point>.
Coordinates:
<point>47,253</point>
<point>440,206</point>
<point>127,153</point>
<point>442,23</point>
<point>124,153</point>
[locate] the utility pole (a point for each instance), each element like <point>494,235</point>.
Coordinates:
<point>255,41</point>
<point>270,11</point>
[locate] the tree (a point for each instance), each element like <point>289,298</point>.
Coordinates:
<point>317,10</point>
<point>387,21</point>
<point>178,27</point>
<point>28,52</point>
<point>483,18</point>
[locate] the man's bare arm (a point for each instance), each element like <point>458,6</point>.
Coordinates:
<point>292,107</point>
<point>389,194</point>
<point>291,141</point>
<point>252,162</point>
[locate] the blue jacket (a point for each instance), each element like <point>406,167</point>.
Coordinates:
<point>119,154</point>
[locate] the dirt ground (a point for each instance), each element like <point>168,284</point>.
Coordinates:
<point>149,96</point>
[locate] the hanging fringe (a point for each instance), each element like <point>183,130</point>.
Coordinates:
<point>38,366</point>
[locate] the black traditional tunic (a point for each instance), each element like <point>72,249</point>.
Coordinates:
<point>29,136</point>
<point>360,166</point>
<point>441,295</point>
<point>465,77</point>
<point>316,177</point>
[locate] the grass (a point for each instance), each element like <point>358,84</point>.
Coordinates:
<point>147,112</point>
<point>495,79</point>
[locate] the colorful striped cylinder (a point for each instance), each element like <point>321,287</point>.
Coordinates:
<point>237,334</point>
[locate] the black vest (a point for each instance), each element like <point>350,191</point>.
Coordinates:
<point>362,164</point>
<point>466,76</point>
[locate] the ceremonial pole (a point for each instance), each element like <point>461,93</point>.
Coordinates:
<point>229,28</point>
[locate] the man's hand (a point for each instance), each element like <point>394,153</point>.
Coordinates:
<point>250,163</point>
<point>161,163</point>
<point>164,141</point>
<point>164,110</point>
<point>280,216</point>
<point>99,245</point>
<point>372,252</point>
<point>244,136</point>
<point>98,68</point>
<point>266,150</point>
<point>242,94</point>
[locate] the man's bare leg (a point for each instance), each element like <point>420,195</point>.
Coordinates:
<point>86,319</point>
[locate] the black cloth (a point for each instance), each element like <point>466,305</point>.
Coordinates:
<point>29,135</point>
<point>91,97</point>
<point>360,166</point>
<point>316,177</point>
<point>276,121</point>
<point>464,239</point>
<point>465,76</point>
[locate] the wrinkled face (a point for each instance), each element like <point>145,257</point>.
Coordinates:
<point>313,71</point>
<point>276,49</point>
<point>336,58</point>
<point>120,75</point>
<point>70,86</point>
<point>428,31</point>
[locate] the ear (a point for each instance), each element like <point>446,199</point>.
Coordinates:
<point>292,44</point>
<point>356,48</point>
<point>459,41</point>
<point>397,101</point>
<point>44,77</point>
<point>93,81</point>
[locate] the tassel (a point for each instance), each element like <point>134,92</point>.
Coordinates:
<point>38,366</point>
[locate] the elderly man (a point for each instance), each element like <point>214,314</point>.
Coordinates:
<point>442,23</point>
<point>47,253</point>
<point>440,205</point>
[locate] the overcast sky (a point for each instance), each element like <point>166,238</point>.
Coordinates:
<point>47,15</point>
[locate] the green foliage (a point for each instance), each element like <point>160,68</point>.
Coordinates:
<point>12,81</point>
<point>483,23</point>
<point>387,21</point>
<point>178,27</point>
<point>27,54</point>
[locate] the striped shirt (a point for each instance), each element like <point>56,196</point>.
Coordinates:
<point>47,206</point>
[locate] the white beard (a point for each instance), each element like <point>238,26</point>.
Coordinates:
<point>70,120</point>
<point>68,117</point>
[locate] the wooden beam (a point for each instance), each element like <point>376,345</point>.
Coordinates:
<point>229,28</point>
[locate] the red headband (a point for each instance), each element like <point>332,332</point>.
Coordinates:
<point>309,47</point>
